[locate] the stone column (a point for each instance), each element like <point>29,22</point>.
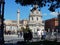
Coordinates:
<point>18,16</point>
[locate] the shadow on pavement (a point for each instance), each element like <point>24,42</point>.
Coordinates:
<point>35,43</point>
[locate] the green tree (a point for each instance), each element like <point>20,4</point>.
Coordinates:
<point>52,4</point>
<point>25,30</point>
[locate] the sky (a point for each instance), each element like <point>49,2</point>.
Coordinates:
<point>11,7</point>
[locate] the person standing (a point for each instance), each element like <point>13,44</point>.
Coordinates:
<point>39,34</point>
<point>21,34</point>
<point>30,35</point>
<point>43,34</point>
<point>18,34</point>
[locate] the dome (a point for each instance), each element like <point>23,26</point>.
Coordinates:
<point>35,13</point>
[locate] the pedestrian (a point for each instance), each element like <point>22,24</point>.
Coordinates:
<point>30,35</point>
<point>39,34</point>
<point>43,34</point>
<point>25,35</point>
<point>52,32</point>
<point>18,34</point>
<point>21,33</point>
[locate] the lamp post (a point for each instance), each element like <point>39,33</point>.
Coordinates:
<point>2,2</point>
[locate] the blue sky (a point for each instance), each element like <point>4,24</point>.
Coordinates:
<point>11,11</point>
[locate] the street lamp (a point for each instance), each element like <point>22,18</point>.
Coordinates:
<point>2,2</point>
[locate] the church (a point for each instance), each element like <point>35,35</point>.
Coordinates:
<point>34,22</point>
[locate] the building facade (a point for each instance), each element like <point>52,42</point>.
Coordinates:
<point>51,24</point>
<point>11,25</point>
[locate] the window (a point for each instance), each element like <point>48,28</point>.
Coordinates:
<point>37,18</point>
<point>32,18</point>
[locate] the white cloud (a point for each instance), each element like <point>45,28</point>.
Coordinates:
<point>54,13</point>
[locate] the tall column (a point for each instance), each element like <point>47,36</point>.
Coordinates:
<point>18,16</point>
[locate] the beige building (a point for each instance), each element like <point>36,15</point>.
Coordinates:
<point>11,25</point>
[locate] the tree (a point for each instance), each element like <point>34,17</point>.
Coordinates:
<point>25,30</point>
<point>53,4</point>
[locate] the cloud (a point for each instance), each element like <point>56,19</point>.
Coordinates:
<point>54,13</point>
